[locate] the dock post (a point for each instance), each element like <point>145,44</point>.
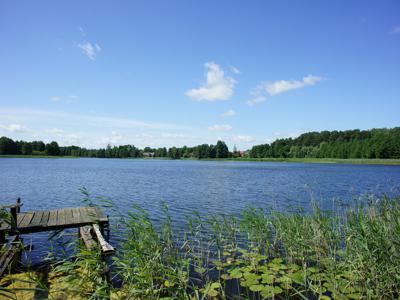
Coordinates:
<point>13,212</point>
<point>18,205</point>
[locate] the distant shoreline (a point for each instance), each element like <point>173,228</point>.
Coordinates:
<point>354,161</point>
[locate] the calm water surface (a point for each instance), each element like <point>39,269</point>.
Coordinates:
<point>204,186</point>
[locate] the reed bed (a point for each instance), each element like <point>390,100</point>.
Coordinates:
<point>352,253</point>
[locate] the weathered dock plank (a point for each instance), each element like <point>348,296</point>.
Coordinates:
<point>37,217</point>
<point>30,222</point>
<point>53,218</point>
<point>26,220</point>
<point>45,218</point>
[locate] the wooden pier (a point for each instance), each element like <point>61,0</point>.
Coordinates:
<point>38,221</point>
<point>89,219</point>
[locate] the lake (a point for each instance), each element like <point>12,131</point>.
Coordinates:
<point>186,185</point>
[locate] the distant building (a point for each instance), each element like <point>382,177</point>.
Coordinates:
<point>242,153</point>
<point>148,154</point>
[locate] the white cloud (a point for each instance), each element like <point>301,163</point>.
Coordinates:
<point>73,97</point>
<point>235,70</point>
<point>217,87</point>
<point>256,100</point>
<point>17,128</point>
<point>395,30</point>
<point>268,88</point>
<point>243,139</point>
<point>229,113</point>
<point>281,86</point>
<point>55,98</point>
<point>217,127</point>
<point>114,139</point>
<point>90,50</point>
<point>54,131</point>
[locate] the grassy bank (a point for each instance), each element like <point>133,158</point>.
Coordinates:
<point>291,160</point>
<point>264,254</point>
<point>326,160</point>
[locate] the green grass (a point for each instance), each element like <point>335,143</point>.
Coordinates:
<point>361,161</point>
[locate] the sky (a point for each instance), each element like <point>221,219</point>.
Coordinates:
<point>164,73</point>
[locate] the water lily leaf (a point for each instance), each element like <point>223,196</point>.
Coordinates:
<point>267,278</point>
<point>215,285</point>
<point>297,277</point>
<point>277,290</point>
<point>212,290</point>
<point>236,273</point>
<point>277,261</point>
<point>212,293</point>
<point>267,291</point>
<point>256,288</point>
<point>251,276</point>
<point>285,280</point>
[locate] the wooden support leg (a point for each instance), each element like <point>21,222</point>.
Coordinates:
<point>17,263</point>
<point>2,238</point>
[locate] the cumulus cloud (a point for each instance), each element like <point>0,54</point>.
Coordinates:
<point>17,128</point>
<point>217,86</point>
<point>395,30</point>
<point>281,86</point>
<point>268,88</point>
<point>256,100</point>
<point>243,139</point>
<point>229,113</point>
<point>90,50</point>
<point>217,127</point>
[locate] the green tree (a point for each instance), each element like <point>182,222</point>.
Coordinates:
<point>52,149</point>
<point>221,150</point>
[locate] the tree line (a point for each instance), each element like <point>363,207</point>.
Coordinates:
<point>375,143</point>
<point>10,147</point>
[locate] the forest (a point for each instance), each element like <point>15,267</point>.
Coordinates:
<point>367,144</point>
<point>375,143</point>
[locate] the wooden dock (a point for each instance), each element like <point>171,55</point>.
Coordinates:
<point>90,220</point>
<point>38,221</point>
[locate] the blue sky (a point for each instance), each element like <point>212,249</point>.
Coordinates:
<point>163,73</point>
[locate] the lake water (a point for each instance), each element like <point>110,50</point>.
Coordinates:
<point>204,186</point>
